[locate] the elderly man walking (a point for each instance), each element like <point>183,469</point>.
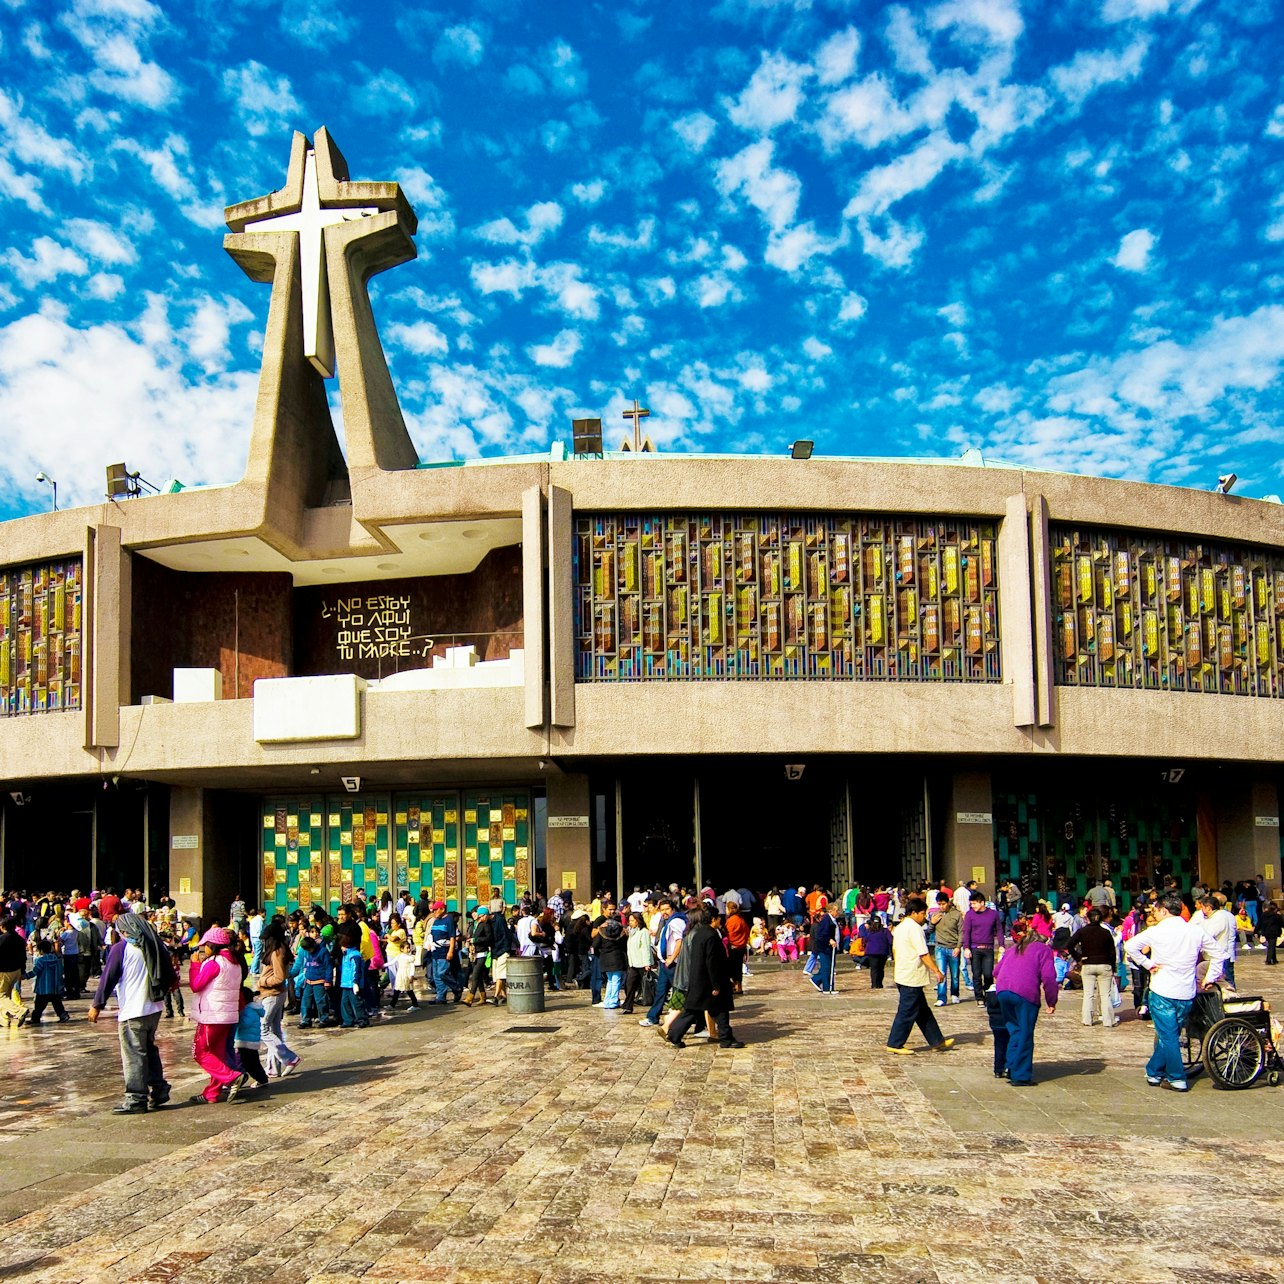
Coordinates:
<point>139,973</point>
<point>1170,951</point>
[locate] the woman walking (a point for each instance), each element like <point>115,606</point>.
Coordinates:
<point>1018,976</point>
<point>216,976</point>
<point>641,956</point>
<point>275,961</point>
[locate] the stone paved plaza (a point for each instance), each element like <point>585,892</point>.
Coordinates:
<point>445,1146</point>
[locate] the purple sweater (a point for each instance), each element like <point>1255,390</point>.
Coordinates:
<point>982,930</point>
<point>1022,973</point>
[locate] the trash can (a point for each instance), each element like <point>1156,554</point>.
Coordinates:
<point>526,985</point>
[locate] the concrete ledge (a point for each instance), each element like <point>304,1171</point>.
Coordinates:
<point>292,709</point>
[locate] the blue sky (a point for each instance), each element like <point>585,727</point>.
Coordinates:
<point>1053,231</point>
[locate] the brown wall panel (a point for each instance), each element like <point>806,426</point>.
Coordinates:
<point>183,620</point>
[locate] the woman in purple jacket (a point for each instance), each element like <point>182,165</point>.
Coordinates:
<point>1018,977</point>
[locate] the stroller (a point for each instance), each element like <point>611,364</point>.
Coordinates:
<point>1233,1037</point>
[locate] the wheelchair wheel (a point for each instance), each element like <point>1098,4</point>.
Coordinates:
<point>1233,1053</point>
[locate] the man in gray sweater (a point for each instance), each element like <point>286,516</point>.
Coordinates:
<point>949,926</point>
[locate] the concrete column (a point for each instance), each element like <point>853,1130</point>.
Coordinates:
<point>1248,834</point>
<point>968,843</point>
<point>109,622</point>
<point>569,846</point>
<point>561,608</point>
<point>1041,584</point>
<point>534,636</point>
<point>1015,626</point>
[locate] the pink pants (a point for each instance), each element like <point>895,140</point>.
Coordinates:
<point>210,1049</point>
<point>788,950</point>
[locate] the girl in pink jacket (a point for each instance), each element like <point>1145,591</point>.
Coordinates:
<point>216,976</point>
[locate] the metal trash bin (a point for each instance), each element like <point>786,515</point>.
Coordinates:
<point>525,985</point>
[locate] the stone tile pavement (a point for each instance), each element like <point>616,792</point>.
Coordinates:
<point>440,1146</point>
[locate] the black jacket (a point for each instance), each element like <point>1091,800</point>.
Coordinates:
<point>710,970</point>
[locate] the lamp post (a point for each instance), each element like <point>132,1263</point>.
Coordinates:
<point>49,481</point>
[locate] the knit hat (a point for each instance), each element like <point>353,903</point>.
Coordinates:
<point>439,905</point>
<point>217,936</point>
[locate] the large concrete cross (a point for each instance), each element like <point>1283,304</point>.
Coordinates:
<point>310,221</point>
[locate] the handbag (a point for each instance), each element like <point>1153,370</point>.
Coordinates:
<point>647,992</point>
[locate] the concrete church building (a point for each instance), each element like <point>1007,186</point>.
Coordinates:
<point>359,669</point>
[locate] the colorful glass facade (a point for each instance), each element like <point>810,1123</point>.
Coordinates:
<point>321,850</point>
<point>1062,840</point>
<point>744,595</point>
<point>1176,614</point>
<point>40,638</point>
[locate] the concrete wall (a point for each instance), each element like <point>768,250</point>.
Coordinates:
<point>968,833</point>
<point>569,848</point>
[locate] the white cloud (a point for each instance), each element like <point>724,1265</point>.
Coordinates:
<point>100,241</point>
<point>420,337</point>
<point>835,60</point>
<point>695,130</point>
<point>562,69</point>
<point>115,34</point>
<point>263,99</point>
<point>171,169</point>
<point>541,220</point>
<point>998,22</point>
<point>852,308</point>
<point>867,112</point>
<point>1275,126</point>
<point>589,193</point>
<point>47,260</point>
<point>321,27</point>
<point>385,94</point>
<point>772,96</point>
<point>559,352</point>
<point>207,335</point>
<point>429,201</point>
<point>794,248</point>
<point>106,286</point>
<point>713,289</point>
<point>816,350</point>
<point>23,188</point>
<point>894,245</point>
<point>30,143</point>
<point>955,314</point>
<point>561,282</point>
<point>774,193</point>
<point>1129,10</point>
<point>1133,254</point>
<point>57,380</point>
<point>910,50</point>
<point>620,239</point>
<point>1090,70</point>
<point>460,45</point>
<point>882,187</point>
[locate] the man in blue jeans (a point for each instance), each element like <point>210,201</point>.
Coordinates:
<point>1170,952</point>
<point>668,940</point>
<point>949,929</point>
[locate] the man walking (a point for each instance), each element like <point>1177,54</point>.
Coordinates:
<point>668,941</point>
<point>981,937</point>
<point>139,973</point>
<point>1174,950</point>
<point>709,982</point>
<point>912,969</point>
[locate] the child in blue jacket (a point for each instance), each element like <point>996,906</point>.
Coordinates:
<point>312,973</point>
<point>351,978</point>
<point>47,969</point>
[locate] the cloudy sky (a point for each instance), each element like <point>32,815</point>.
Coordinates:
<point>1050,231</point>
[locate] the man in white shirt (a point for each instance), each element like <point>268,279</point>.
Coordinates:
<point>1220,923</point>
<point>963,895</point>
<point>1173,951</point>
<point>914,968</point>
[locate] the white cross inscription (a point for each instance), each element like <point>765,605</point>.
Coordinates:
<point>310,223</point>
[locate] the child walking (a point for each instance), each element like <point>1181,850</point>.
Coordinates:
<point>248,1040</point>
<point>351,969</point>
<point>47,970</point>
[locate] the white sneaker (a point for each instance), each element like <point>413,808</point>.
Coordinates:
<point>940,1003</point>
<point>648,1021</point>
<point>698,1034</point>
<point>746,972</point>
<point>955,999</point>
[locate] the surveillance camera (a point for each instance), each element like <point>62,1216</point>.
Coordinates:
<point>351,783</point>
<point>1224,484</point>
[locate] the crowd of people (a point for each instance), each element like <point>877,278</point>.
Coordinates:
<point>678,955</point>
